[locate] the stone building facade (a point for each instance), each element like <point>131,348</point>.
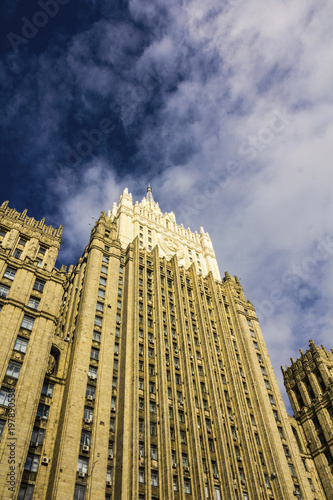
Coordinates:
<point>309,384</point>
<point>139,373</point>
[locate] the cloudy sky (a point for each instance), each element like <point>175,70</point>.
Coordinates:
<point>224,106</point>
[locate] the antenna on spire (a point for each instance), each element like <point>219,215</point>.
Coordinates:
<point>150,197</point>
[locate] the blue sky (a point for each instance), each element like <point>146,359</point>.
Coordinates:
<point>225,107</point>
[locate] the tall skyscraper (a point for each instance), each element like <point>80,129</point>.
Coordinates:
<point>139,373</point>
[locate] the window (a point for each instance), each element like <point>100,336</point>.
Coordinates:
<point>96,336</point>
<point>292,470</point>
<point>280,430</point>
<point>153,428</point>
<point>2,426</point>
<point>311,484</point>
<point>5,396</point>
<point>152,387</point>
<point>13,369</point>
<point>276,415</point>
<point>153,452</point>
<point>151,370</point>
<point>271,399</point>
<point>172,433</point>
<point>27,322</point>
<point>10,273</point>
<point>33,303</point>
<point>21,345</point>
<point>170,412</point>
<point>183,437</point>
<point>82,464</point>
<point>256,345</point>
<point>154,478</point>
<point>187,486</point>
<point>268,485</point>
<point>113,403</point>
<point>90,392</point>
<point>39,285</point>
<point>105,259</point>
<point>4,291</point>
<point>102,281</point>
<point>109,471</point>
<point>85,438</point>
<point>100,306</point>
<point>181,416</point>
<point>88,413</point>
<point>17,253</point>
<point>141,475</point>
<point>152,407</point>
<point>94,354</point>
<point>263,370</point>
<point>112,424</point>
<point>104,270</point>
<point>115,364</point>
<point>32,462</point>
<point>211,445</point>
<point>98,321</point>
<point>27,490</point>
<point>175,483</point>
<point>47,389</point>
<point>43,411</point>
<point>92,372</point>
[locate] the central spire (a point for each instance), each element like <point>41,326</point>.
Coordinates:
<point>150,197</point>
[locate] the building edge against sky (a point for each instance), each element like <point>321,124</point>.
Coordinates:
<point>139,373</point>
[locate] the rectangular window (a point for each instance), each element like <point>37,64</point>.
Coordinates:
<point>21,345</point>
<point>4,290</point>
<point>27,323</point>
<point>187,486</point>
<point>85,438</point>
<point>92,372</point>
<point>154,478</point>
<point>2,426</point>
<point>43,411</point>
<point>96,336</point>
<point>90,392</point>
<point>102,281</point>
<point>94,354</point>
<point>47,389</point>
<point>88,413</point>
<point>141,475</point>
<point>153,428</point>
<point>13,369</point>
<point>98,321</point>
<point>100,306</point>
<point>82,465</point>
<point>10,273</point>
<point>37,436</point>
<point>39,285</point>
<point>33,303</point>
<point>17,253</point>
<point>5,396</point>
<point>32,462</point>
<point>153,452</point>
<point>104,270</point>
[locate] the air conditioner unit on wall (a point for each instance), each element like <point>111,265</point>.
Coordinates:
<point>45,460</point>
<point>85,447</point>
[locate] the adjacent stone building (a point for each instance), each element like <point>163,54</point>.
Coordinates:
<point>140,374</point>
